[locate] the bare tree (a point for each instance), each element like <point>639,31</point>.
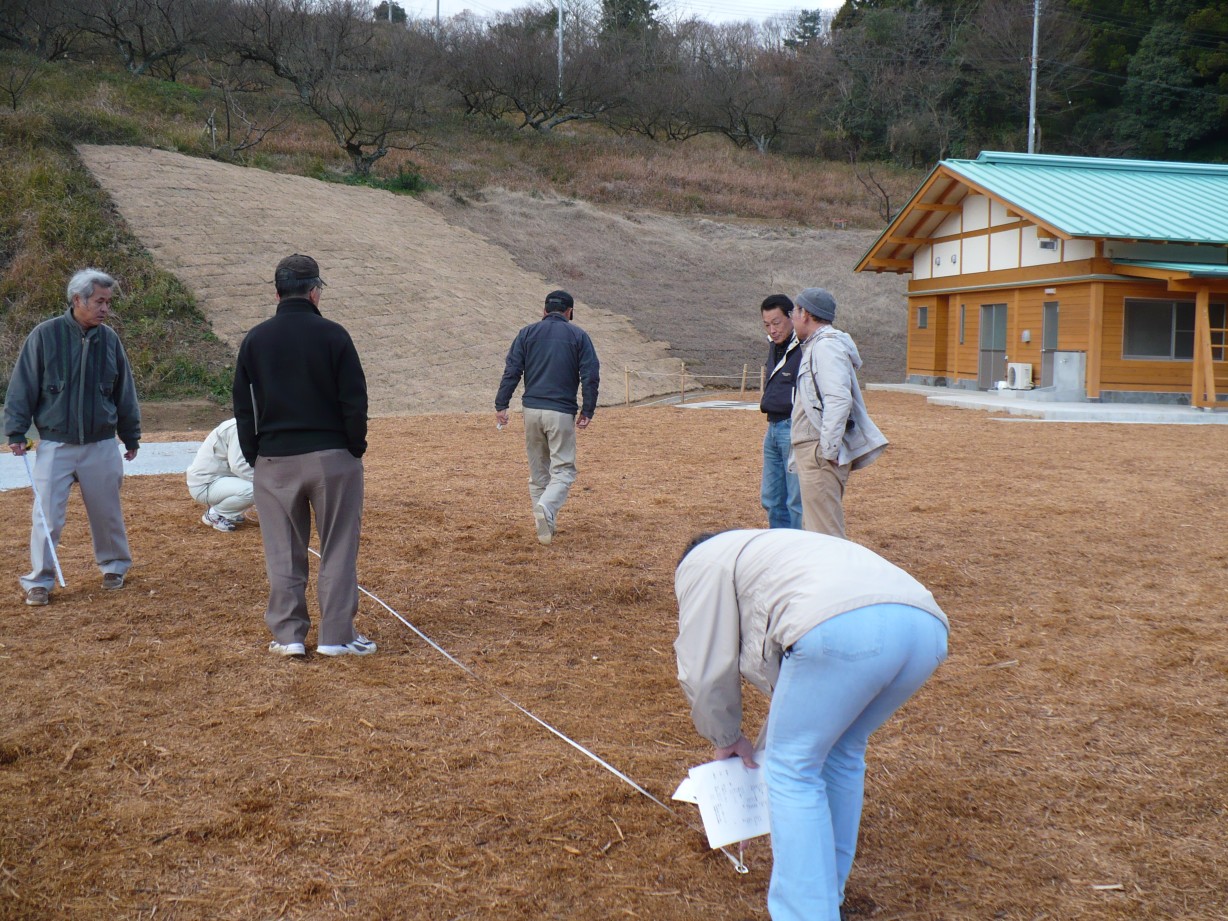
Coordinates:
<point>363,80</point>
<point>151,36</point>
<point>747,92</point>
<point>512,67</point>
<point>48,29</point>
<point>16,73</point>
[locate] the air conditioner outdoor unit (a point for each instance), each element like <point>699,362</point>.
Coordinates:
<point>1019,375</point>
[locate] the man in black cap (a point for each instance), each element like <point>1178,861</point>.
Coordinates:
<point>832,432</point>
<point>555,358</point>
<point>300,403</point>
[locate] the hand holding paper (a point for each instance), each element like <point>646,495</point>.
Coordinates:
<point>732,798</point>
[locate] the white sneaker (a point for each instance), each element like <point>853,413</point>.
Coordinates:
<point>545,529</point>
<point>287,649</point>
<point>218,521</point>
<point>358,646</point>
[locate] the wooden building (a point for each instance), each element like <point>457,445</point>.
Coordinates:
<point>1071,277</point>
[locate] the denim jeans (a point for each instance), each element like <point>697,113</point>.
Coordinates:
<point>838,684</point>
<point>780,493</point>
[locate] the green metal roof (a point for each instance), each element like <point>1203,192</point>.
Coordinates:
<point>1193,269</point>
<point>1122,199</point>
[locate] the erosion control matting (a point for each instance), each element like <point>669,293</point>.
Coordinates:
<point>1067,762</point>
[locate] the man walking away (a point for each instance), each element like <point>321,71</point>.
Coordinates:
<point>832,432</point>
<point>300,402</point>
<point>555,358</point>
<point>72,380</point>
<point>779,490</point>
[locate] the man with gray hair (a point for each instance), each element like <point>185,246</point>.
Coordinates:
<point>831,432</point>
<point>72,380</point>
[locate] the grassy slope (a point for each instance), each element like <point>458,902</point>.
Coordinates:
<point>54,218</point>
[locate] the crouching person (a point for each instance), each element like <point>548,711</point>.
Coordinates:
<point>220,478</point>
<point>838,638</point>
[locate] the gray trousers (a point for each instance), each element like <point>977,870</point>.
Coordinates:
<point>550,442</point>
<point>99,471</point>
<point>288,491</point>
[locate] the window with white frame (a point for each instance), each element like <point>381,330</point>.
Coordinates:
<point>1164,330</point>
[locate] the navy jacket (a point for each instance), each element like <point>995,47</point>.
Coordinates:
<point>299,386</point>
<point>777,400</point>
<point>555,357</point>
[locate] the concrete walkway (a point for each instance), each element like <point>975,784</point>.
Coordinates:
<point>154,457</point>
<point>1023,409</point>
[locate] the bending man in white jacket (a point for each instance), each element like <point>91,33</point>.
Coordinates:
<point>831,431</point>
<point>221,479</point>
<point>838,638</point>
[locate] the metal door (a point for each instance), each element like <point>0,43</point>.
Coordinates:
<point>1048,342</point>
<point>991,366</point>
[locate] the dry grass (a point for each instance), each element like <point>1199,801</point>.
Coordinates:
<point>703,176</point>
<point>1065,763</point>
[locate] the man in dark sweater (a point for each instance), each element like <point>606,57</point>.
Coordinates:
<point>300,402</point>
<point>779,492</point>
<point>555,358</point>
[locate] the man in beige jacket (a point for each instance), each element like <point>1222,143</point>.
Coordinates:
<point>839,638</point>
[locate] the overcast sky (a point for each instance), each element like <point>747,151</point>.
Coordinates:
<point>713,10</point>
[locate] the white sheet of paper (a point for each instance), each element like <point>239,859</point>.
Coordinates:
<point>686,791</point>
<point>733,800</point>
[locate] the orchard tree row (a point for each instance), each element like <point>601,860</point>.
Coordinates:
<point>907,80</point>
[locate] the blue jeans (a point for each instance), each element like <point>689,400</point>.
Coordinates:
<point>780,493</point>
<point>838,684</point>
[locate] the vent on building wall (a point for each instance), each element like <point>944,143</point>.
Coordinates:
<point>1048,244</point>
<point>1019,375</point>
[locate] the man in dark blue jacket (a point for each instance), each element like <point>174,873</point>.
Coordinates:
<point>300,403</point>
<point>780,492</point>
<point>555,358</point>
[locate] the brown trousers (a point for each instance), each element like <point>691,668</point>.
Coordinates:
<point>288,491</point>
<point>822,484</point>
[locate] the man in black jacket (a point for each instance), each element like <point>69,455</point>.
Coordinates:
<point>780,492</point>
<point>300,401</point>
<point>555,358</point>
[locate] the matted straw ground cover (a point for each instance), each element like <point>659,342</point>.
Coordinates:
<point>1067,762</point>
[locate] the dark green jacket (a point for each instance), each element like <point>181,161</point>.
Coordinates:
<point>75,385</point>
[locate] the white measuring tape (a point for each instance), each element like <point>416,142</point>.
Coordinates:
<point>737,861</point>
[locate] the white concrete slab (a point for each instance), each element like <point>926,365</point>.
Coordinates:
<point>154,457</point>
<point>1016,405</point>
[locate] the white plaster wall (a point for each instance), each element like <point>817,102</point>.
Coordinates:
<point>998,214</point>
<point>975,257</point>
<point>1004,250</point>
<point>949,227</point>
<point>976,212</point>
<point>1078,249</point>
<point>1033,254</point>
<point>923,262</point>
<point>946,259</point>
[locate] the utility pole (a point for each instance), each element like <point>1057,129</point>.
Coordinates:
<point>1032,91</point>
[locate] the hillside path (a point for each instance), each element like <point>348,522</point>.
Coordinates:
<point>432,307</point>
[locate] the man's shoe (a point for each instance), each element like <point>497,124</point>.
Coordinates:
<point>287,649</point>
<point>218,521</point>
<point>112,581</point>
<point>37,596</point>
<point>545,530</point>
<point>358,646</point>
